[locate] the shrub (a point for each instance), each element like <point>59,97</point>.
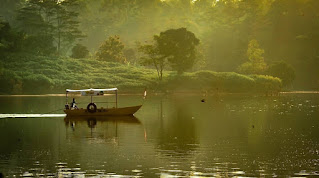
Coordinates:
<point>233,82</point>
<point>265,83</point>
<point>36,83</point>
<point>207,79</point>
<point>79,51</point>
<point>283,71</point>
<point>10,82</point>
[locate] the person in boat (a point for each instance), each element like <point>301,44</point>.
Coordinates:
<point>73,104</point>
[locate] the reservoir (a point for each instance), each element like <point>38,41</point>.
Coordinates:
<point>171,135</point>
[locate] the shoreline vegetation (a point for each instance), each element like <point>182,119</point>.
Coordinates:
<point>28,74</point>
<point>49,46</point>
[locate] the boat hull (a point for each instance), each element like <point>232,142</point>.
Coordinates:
<point>126,111</point>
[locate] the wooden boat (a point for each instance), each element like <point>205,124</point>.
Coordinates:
<point>104,111</point>
<point>92,110</point>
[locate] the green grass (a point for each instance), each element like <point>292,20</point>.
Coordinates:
<point>26,74</point>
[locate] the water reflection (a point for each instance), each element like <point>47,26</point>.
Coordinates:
<point>102,128</point>
<point>177,136</point>
<point>92,121</point>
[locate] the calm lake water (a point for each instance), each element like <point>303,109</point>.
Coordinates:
<point>173,135</point>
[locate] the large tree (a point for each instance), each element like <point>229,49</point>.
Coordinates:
<point>9,39</point>
<point>66,24</point>
<point>179,47</point>
<point>8,8</point>
<point>176,47</point>
<point>152,57</point>
<point>38,32</point>
<point>256,63</point>
<point>53,21</point>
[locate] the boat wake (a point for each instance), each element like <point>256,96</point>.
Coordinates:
<point>30,115</point>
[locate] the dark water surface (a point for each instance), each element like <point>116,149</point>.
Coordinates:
<point>171,136</point>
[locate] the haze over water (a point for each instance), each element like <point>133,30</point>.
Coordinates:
<point>232,135</point>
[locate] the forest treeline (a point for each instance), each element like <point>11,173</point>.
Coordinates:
<point>247,45</point>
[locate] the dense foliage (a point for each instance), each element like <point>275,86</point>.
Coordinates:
<point>219,82</point>
<point>10,40</point>
<point>38,74</point>
<point>49,25</point>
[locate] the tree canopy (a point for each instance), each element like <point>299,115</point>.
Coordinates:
<point>111,50</point>
<point>256,63</point>
<point>49,25</point>
<point>179,47</point>
<point>152,57</point>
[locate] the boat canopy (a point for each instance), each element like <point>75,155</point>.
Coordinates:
<point>92,90</point>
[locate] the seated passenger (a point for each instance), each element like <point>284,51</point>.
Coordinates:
<point>73,104</point>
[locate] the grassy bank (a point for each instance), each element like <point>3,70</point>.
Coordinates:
<point>38,75</point>
<point>229,82</point>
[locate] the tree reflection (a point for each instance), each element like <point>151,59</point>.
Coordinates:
<point>177,132</point>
